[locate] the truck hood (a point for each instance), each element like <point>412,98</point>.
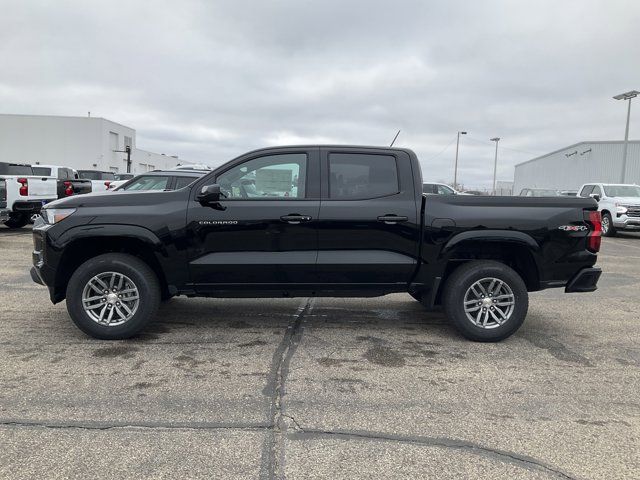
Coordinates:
<point>626,200</point>
<point>114,199</point>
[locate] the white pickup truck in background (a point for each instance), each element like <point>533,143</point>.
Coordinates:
<point>619,205</point>
<point>100,180</point>
<point>25,192</point>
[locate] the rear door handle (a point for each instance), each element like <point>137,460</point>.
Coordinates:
<point>294,218</point>
<point>391,219</point>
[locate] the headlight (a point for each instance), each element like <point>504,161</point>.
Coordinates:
<point>55,215</point>
<point>621,208</point>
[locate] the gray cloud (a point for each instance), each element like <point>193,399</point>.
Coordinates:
<point>210,80</point>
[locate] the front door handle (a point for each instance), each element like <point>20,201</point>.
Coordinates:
<point>392,219</point>
<point>294,218</point>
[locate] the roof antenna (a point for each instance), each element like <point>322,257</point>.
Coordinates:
<point>394,138</point>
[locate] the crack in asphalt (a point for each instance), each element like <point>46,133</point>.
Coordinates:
<point>273,448</point>
<point>524,461</point>
<point>143,425</point>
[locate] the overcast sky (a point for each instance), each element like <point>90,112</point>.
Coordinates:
<point>209,80</point>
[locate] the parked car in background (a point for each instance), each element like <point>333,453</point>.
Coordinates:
<point>123,176</point>
<point>568,193</point>
<point>438,189</point>
<point>195,166</point>
<point>619,205</point>
<point>162,180</point>
<point>67,180</point>
<point>100,181</point>
<point>4,211</point>
<point>25,193</point>
<point>538,192</point>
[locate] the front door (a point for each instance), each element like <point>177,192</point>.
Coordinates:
<point>264,233</point>
<point>368,230</point>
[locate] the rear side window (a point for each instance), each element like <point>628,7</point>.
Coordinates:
<point>147,183</point>
<point>355,176</point>
<point>182,182</point>
<point>44,171</point>
<point>14,169</point>
<point>586,190</point>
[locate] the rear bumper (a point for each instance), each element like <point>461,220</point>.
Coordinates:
<point>30,206</point>
<point>4,214</point>
<point>586,280</point>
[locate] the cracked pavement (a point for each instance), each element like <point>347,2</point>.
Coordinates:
<point>322,388</point>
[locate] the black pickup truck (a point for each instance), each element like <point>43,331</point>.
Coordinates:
<point>68,181</point>
<point>313,221</point>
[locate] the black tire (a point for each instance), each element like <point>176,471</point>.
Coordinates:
<point>611,231</point>
<point>416,296</point>
<point>461,281</point>
<point>137,271</point>
<point>17,221</point>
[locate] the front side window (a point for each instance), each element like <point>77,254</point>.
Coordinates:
<point>597,191</point>
<point>270,177</point>
<point>354,176</point>
<point>147,182</point>
<point>429,188</point>
<point>586,190</point>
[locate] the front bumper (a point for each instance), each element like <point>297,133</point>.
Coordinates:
<point>586,280</point>
<point>626,222</point>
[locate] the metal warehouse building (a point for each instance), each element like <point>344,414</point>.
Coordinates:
<point>570,167</point>
<point>76,142</point>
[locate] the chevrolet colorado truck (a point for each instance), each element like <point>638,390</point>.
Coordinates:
<point>25,192</point>
<point>68,181</point>
<point>313,221</point>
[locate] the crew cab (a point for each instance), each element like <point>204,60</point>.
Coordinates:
<point>313,221</point>
<point>619,205</point>
<point>100,180</point>
<point>25,193</point>
<point>68,181</point>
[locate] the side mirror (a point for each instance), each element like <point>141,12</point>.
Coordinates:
<point>595,196</point>
<point>209,194</point>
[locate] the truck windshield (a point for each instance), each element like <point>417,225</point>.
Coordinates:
<point>622,191</point>
<point>44,171</point>
<point>15,169</point>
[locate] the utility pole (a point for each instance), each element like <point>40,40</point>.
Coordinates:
<point>127,150</point>
<point>626,96</point>
<point>495,164</point>
<point>455,169</point>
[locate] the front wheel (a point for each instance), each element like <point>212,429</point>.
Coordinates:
<point>113,296</point>
<point>486,301</point>
<point>608,230</point>
<point>17,221</point>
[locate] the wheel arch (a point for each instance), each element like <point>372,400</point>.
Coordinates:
<point>83,247</point>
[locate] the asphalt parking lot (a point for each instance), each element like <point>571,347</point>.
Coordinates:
<point>322,388</point>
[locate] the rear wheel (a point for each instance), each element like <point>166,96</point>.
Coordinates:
<point>486,301</point>
<point>608,230</point>
<point>17,221</point>
<point>113,296</point>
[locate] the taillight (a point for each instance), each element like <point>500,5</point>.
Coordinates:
<point>106,184</point>
<point>68,188</point>
<point>24,187</point>
<point>594,238</point>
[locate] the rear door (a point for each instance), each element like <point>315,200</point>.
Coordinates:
<point>368,228</point>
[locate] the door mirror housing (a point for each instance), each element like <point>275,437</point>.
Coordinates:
<point>595,196</point>
<point>209,194</point>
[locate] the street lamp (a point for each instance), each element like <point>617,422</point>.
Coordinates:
<point>495,164</point>
<point>626,96</point>
<point>455,169</point>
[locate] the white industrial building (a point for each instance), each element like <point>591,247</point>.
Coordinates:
<point>77,142</point>
<point>584,162</point>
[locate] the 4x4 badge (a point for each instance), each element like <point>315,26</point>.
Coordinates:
<point>573,228</point>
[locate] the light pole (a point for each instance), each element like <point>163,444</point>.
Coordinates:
<point>455,169</point>
<point>626,96</point>
<point>495,164</point>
